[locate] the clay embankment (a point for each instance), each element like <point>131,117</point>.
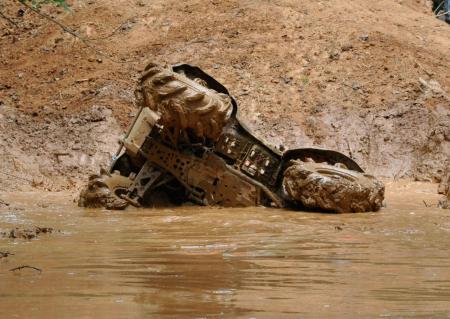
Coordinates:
<point>369,79</point>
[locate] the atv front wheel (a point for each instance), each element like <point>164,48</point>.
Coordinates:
<point>105,190</point>
<point>332,188</point>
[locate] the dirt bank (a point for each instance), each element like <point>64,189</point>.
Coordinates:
<point>368,79</point>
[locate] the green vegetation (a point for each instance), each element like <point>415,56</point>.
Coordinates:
<point>37,4</point>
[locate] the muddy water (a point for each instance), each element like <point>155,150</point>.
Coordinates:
<point>196,262</point>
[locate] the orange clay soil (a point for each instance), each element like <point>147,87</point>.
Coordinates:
<point>368,78</point>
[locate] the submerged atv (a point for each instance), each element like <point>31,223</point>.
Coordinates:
<point>187,144</point>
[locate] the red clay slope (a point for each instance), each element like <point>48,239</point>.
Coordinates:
<point>368,78</point>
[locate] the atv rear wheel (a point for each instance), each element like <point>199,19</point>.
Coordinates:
<point>332,188</point>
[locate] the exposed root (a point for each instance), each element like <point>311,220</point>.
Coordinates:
<point>25,266</point>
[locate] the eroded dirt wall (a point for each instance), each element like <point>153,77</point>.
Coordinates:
<point>369,79</point>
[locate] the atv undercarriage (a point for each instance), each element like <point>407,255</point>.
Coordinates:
<point>187,144</point>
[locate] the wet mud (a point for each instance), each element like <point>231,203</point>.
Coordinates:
<point>3,203</point>
<point>444,188</point>
<point>203,262</point>
<point>26,233</point>
<point>350,83</point>
<point>4,254</point>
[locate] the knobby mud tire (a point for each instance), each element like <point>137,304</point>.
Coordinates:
<point>331,188</point>
<point>186,106</point>
<point>104,191</point>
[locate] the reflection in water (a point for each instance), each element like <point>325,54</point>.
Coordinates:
<point>210,262</point>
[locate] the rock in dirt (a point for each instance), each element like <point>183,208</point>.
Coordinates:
<point>364,37</point>
<point>317,185</point>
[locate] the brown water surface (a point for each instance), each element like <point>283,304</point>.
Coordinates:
<point>198,262</point>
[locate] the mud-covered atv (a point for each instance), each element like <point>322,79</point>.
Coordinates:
<point>187,144</point>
